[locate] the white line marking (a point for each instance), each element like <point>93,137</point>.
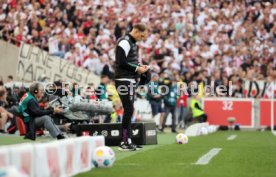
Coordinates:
<point>232,137</point>
<point>205,159</point>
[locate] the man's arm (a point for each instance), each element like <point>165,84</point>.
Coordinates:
<point>122,51</point>
<point>151,94</point>
<point>36,110</point>
<point>198,107</point>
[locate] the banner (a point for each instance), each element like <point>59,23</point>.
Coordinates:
<point>258,89</point>
<point>83,154</point>
<point>67,157</point>
<point>52,159</point>
<point>221,109</point>
<point>97,141</point>
<point>34,62</point>
<point>47,158</point>
<point>22,157</point>
<point>4,157</point>
<point>265,112</point>
<point>142,133</point>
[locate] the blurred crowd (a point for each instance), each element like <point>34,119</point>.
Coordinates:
<point>218,41</point>
<point>210,41</point>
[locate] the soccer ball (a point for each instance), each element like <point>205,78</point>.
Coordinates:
<point>203,131</point>
<point>11,171</point>
<point>103,157</point>
<point>181,138</point>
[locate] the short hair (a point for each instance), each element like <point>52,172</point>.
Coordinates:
<point>140,27</point>
<point>10,77</point>
<point>34,87</point>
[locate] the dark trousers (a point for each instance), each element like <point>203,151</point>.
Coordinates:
<point>168,110</point>
<point>156,107</point>
<point>30,129</point>
<point>201,119</point>
<point>126,91</point>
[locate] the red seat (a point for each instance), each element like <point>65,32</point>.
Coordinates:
<point>22,129</point>
<point>21,126</point>
<point>39,132</point>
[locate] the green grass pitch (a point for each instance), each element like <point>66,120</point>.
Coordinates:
<point>251,154</point>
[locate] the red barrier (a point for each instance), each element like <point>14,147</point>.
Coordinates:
<point>220,109</point>
<point>265,114</point>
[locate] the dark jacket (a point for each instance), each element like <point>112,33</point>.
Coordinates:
<point>34,111</point>
<point>125,66</point>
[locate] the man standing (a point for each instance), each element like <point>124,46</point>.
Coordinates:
<point>170,100</point>
<point>127,71</point>
<point>101,91</point>
<point>155,99</point>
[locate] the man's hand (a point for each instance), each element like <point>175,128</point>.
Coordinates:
<point>157,96</point>
<point>47,106</point>
<point>145,66</point>
<point>57,110</point>
<point>10,115</point>
<point>142,69</point>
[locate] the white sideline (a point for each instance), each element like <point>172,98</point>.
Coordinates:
<point>232,137</point>
<point>205,159</point>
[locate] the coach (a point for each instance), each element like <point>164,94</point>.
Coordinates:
<point>127,72</point>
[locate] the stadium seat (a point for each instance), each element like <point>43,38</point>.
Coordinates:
<point>20,126</point>
<point>11,129</point>
<point>22,129</point>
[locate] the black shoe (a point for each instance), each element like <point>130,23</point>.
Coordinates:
<point>138,147</point>
<point>61,136</point>
<point>174,131</point>
<point>29,138</point>
<point>127,147</point>
<point>160,130</point>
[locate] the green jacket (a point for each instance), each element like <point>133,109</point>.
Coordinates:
<point>171,98</point>
<point>23,106</point>
<point>101,92</point>
<point>153,89</point>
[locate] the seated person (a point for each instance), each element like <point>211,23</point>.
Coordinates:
<point>5,115</point>
<point>35,117</point>
<point>3,119</point>
<point>197,111</point>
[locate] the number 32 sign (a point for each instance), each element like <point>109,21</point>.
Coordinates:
<point>220,109</point>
